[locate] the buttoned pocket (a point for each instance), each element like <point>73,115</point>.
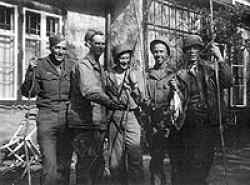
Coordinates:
<point>49,82</point>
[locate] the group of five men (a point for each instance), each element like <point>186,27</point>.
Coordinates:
<point>80,104</point>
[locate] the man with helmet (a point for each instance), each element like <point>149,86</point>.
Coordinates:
<point>87,114</point>
<point>157,106</point>
<point>192,148</point>
<point>124,130</point>
<point>48,78</point>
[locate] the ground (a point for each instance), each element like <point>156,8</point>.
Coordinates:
<point>237,163</point>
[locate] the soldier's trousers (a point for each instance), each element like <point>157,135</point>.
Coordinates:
<point>88,145</point>
<point>125,148</point>
<point>55,146</point>
<point>158,150</point>
<point>191,153</point>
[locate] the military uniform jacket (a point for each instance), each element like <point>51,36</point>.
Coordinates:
<point>88,95</point>
<point>122,91</point>
<point>200,90</point>
<point>50,86</point>
<point>158,91</point>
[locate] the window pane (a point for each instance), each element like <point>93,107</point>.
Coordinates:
<point>183,20</point>
<point>237,56</point>
<point>173,21</point>
<point>7,67</point>
<point>6,18</point>
<point>165,16</point>
<point>33,21</point>
<point>239,87</point>
<point>194,22</point>
<point>238,75</point>
<point>238,95</point>
<point>32,49</point>
<point>152,13</point>
<point>52,25</point>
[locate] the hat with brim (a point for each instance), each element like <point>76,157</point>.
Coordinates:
<point>157,41</point>
<point>120,49</point>
<point>192,40</point>
<point>56,39</point>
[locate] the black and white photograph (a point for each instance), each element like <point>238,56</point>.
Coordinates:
<point>124,92</point>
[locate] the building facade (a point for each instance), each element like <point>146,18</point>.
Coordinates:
<point>26,25</point>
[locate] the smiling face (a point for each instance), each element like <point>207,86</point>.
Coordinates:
<point>59,51</point>
<point>160,53</point>
<point>123,61</point>
<point>97,45</point>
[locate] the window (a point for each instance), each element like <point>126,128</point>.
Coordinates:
<point>238,92</point>
<point>36,28</point>
<point>8,52</point>
<point>52,25</point>
<point>6,18</point>
<point>33,22</point>
<point>39,25</point>
<point>172,22</point>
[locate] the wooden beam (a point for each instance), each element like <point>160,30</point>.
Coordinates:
<point>107,60</point>
<point>20,52</point>
<point>145,32</point>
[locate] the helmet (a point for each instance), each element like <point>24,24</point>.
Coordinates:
<point>120,49</point>
<point>192,40</point>
<point>159,40</point>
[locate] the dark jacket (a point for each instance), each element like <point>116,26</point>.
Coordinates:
<point>159,93</point>
<point>158,88</point>
<point>51,88</point>
<point>200,91</point>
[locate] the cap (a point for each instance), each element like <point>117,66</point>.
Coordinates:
<point>122,48</point>
<point>192,40</point>
<point>91,33</point>
<point>160,40</point>
<point>55,39</point>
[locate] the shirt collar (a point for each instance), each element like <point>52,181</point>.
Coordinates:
<point>94,62</point>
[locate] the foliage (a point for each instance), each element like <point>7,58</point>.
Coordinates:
<point>226,22</point>
<point>226,27</point>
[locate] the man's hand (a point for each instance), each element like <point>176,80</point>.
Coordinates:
<point>172,84</point>
<point>33,63</point>
<point>215,51</point>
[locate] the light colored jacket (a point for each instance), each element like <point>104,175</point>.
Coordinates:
<point>88,95</point>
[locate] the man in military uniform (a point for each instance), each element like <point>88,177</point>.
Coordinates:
<point>157,107</point>
<point>192,148</point>
<point>124,130</point>
<point>87,113</point>
<point>48,78</point>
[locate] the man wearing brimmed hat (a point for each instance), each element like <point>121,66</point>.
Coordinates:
<point>124,130</point>
<point>87,114</point>
<point>48,78</point>
<point>192,150</point>
<point>157,106</point>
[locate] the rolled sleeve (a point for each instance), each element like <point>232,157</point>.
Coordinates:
<point>90,86</point>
